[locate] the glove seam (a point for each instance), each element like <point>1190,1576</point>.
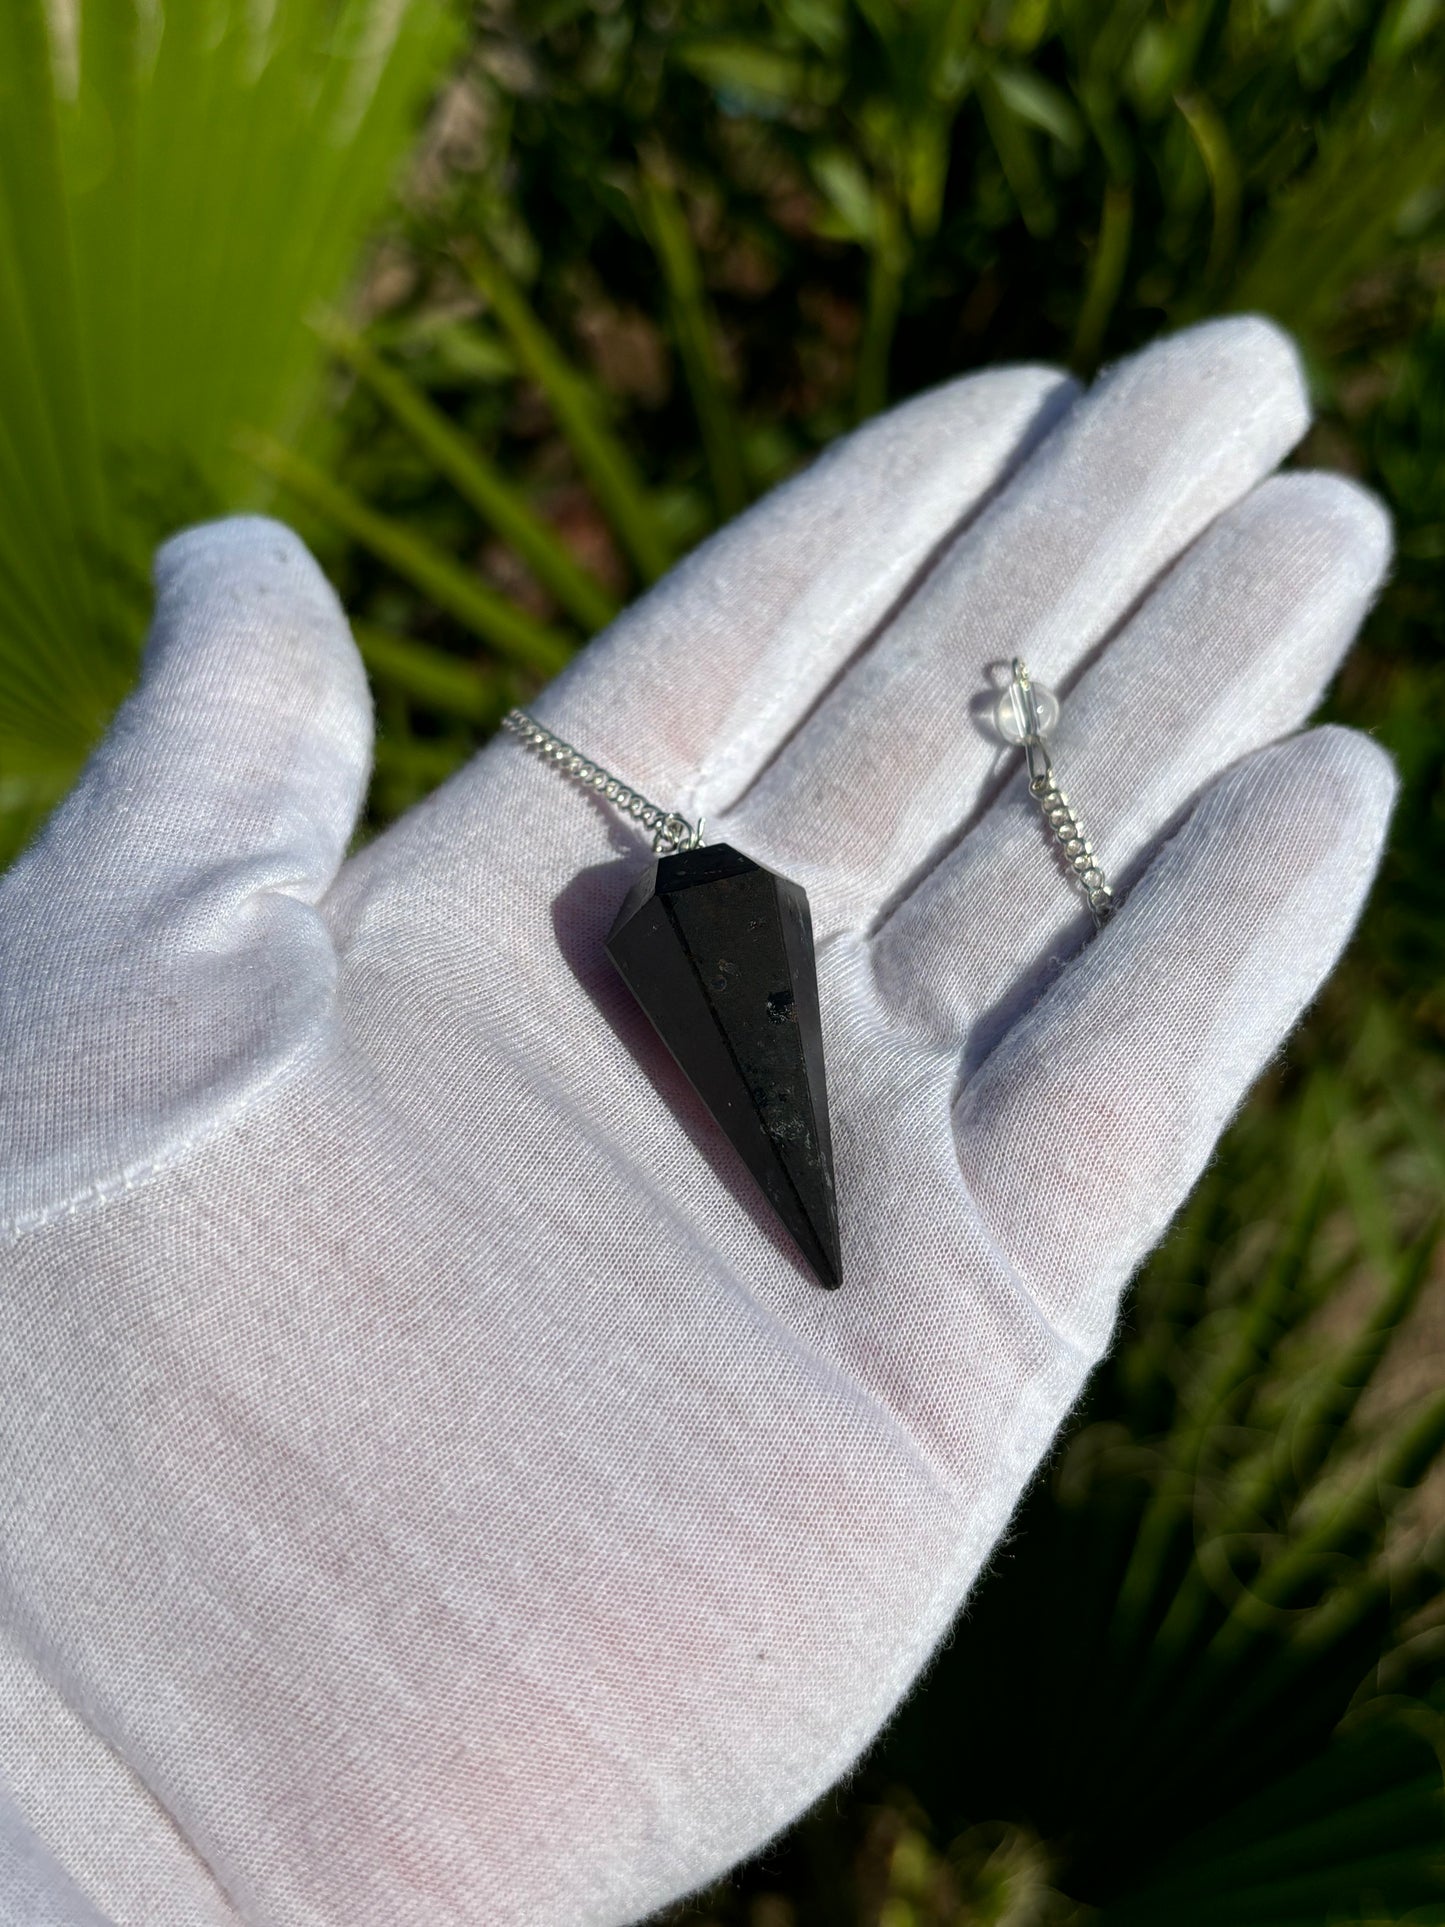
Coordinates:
<point>109,1189</point>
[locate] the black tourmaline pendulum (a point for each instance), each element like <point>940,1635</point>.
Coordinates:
<point>719,953</point>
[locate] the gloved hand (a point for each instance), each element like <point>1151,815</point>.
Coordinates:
<point>435,1491</point>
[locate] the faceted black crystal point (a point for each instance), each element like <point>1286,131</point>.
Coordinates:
<point>719,953</point>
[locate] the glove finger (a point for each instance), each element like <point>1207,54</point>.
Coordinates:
<point>691,690</point>
<point>160,953</point>
<point>1081,1135</point>
<point>880,778</point>
<point>248,739</point>
<point>1231,652</point>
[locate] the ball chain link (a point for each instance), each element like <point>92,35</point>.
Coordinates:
<point>1023,697</point>
<point>1078,851</point>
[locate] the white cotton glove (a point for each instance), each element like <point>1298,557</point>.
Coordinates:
<point>435,1491</point>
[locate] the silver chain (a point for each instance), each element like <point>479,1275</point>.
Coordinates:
<point>1053,802</point>
<point>671,833</point>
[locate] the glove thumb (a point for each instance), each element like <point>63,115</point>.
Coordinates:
<point>161,952</point>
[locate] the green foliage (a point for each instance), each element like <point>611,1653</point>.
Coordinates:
<point>599,455</point>
<point>477,480</point>
<point>177,185</point>
<point>650,258</point>
<point>660,256</point>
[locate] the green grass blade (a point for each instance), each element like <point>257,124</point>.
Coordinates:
<point>887,264</point>
<point>694,330</point>
<point>1353,1521</point>
<point>1169,1514</point>
<point>1107,263</point>
<point>598,452</point>
<point>1370,1807</point>
<point>1211,137</point>
<point>427,568</point>
<point>479,481</point>
<point>1300,1450</point>
<point>1013,142</point>
<point>1344,211</point>
<point>464,690</point>
<point>1271,1638</point>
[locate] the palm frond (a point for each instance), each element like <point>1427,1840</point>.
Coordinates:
<point>177,186</point>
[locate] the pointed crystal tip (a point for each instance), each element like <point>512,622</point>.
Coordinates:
<point>719,953</point>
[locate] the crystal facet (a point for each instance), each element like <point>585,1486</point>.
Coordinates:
<point>719,953</point>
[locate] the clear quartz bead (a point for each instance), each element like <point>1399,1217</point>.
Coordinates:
<point>1008,712</point>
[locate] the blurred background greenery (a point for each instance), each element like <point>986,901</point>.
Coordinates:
<point>507,306</point>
